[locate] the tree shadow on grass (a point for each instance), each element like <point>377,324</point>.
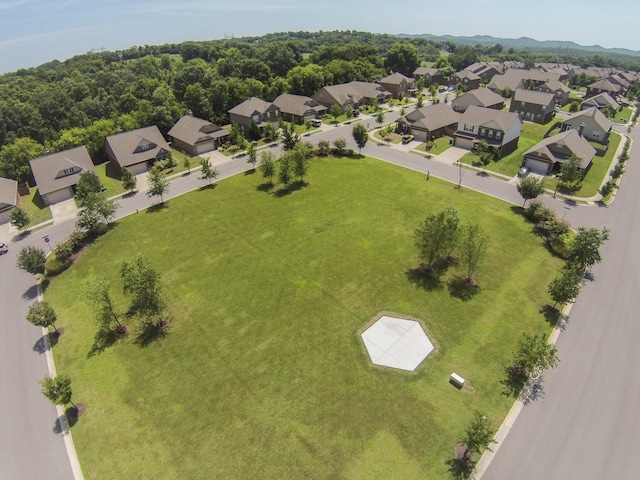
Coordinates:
<point>462,288</point>
<point>265,187</point>
<point>460,468</point>
<point>289,189</point>
<point>251,171</point>
<point>518,385</point>
<point>152,332</point>
<point>157,207</point>
<point>64,423</point>
<point>552,316</point>
<point>425,277</point>
<point>208,186</point>
<point>105,338</point>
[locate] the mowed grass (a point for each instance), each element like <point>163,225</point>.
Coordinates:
<point>263,374</point>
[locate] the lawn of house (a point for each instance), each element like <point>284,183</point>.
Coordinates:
<point>263,373</point>
<point>34,205</point>
<point>440,145</point>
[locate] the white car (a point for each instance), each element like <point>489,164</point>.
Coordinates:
<point>4,248</point>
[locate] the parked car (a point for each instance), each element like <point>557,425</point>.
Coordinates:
<point>406,138</point>
<point>4,248</point>
<point>524,171</point>
<point>316,122</point>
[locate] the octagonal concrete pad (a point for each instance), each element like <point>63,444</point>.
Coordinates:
<point>397,343</point>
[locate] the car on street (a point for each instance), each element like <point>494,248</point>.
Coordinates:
<point>4,248</point>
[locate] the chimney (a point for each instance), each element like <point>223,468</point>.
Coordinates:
<point>581,129</point>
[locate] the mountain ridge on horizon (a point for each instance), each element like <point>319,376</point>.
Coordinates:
<point>522,42</point>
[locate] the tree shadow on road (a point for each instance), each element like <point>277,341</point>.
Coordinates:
<point>46,342</point>
<point>31,293</point>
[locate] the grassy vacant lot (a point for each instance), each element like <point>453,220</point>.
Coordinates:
<point>263,373</point>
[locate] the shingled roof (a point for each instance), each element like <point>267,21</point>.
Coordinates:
<point>193,130</point>
<point>298,105</point>
<point>8,193</point>
<point>562,146</point>
<point>533,97</point>
<point>60,170</point>
<point>250,107</point>
<point>137,146</point>
<point>431,117</point>
<point>489,118</point>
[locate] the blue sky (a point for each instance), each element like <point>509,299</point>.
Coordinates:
<point>36,31</point>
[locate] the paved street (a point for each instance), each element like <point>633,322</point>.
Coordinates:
<point>583,428</point>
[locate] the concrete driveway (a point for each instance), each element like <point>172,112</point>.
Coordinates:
<point>451,155</point>
<point>63,211</point>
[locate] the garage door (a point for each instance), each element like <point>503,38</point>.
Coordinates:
<point>420,135</point>
<point>462,142</point>
<point>537,166</point>
<point>59,195</point>
<point>138,168</point>
<point>205,147</point>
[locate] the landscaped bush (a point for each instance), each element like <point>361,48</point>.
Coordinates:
<point>55,266</point>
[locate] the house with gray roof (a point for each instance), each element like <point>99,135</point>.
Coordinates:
<point>591,123</point>
<point>480,97</point>
<point>559,90</point>
<point>137,150</point>
<point>468,80</point>
<point>603,86</point>
<point>57,174</point>
<point>500,129</point>
<point>515,78</point>
<point>430,122</point>
<point>548,155</point>
<point>298,108</point>
<point>194,135</point>
<point>533,106</point>
<point>398,85</point>
<point>254,110</point>
<point>429,75</point>
<point>600,101</point>
<point>8,198</point>
<point>351,95</point>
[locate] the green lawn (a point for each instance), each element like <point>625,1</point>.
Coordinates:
<point>110,178</point>
<point>439,145</point>
<point>35,207</point>
<point>263,374</point>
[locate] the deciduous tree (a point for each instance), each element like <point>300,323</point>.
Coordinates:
<point>208,172</point>
<point>158,184</point>
<point>267,166</point>
<point>31,259</point>
<point>360,135</point>
<point>88,184</point>
<point>437,236</point>
<point>565,288</point>
<point>252,155</point>
<point>473,245</point>
<point>41,314</point>
<point>142,281</point>
<point>340,144</point>
<point>97,291</point>
<point>19,218</point>
<point>585,248</point>
<point>129,180</point>
<point>529,188</point>
<point>58,390</point>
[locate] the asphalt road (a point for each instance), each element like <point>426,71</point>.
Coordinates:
<point>584,424</point>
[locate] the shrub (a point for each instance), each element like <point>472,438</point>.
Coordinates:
<point>55,266</point>
<point>63,249</point>
<point>607,188</point>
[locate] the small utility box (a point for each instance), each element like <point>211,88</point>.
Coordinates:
<point>457,380</point>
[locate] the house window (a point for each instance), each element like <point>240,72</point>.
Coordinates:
<point>544,108</point>
<point>145,146</point>
<point>490,134</point>
<point>68,171</point>
<point>522,104</point>
<point>467,128</point>
<point>256,118</point>
<point>482,131</point>
<point>595,134</point>
<point>498,135</point>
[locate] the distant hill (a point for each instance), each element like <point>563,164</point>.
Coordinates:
<point>524,42</point>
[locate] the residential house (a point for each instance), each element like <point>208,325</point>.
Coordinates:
<point>548,155</point>
<point>57,174</point>
<point>591,123</point>
<point>468,80</point>
<point>351,95</point>
<point>486,70</point>
<point>600,101</point>
<point>559,90</point>
<point>298,108</point>
<point>431,76</point>
<point>8,198</point>
<point>602,86</point>
<point>532,106</point>
<point>481,97</point>
<point>255,111</point>
<point>399,85</point>
<point>194,135</point>
<point>500,129</point>
<point>137,150</point>
<point>430,122</point>
<point>515,78</point>
<point>620,81</point>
